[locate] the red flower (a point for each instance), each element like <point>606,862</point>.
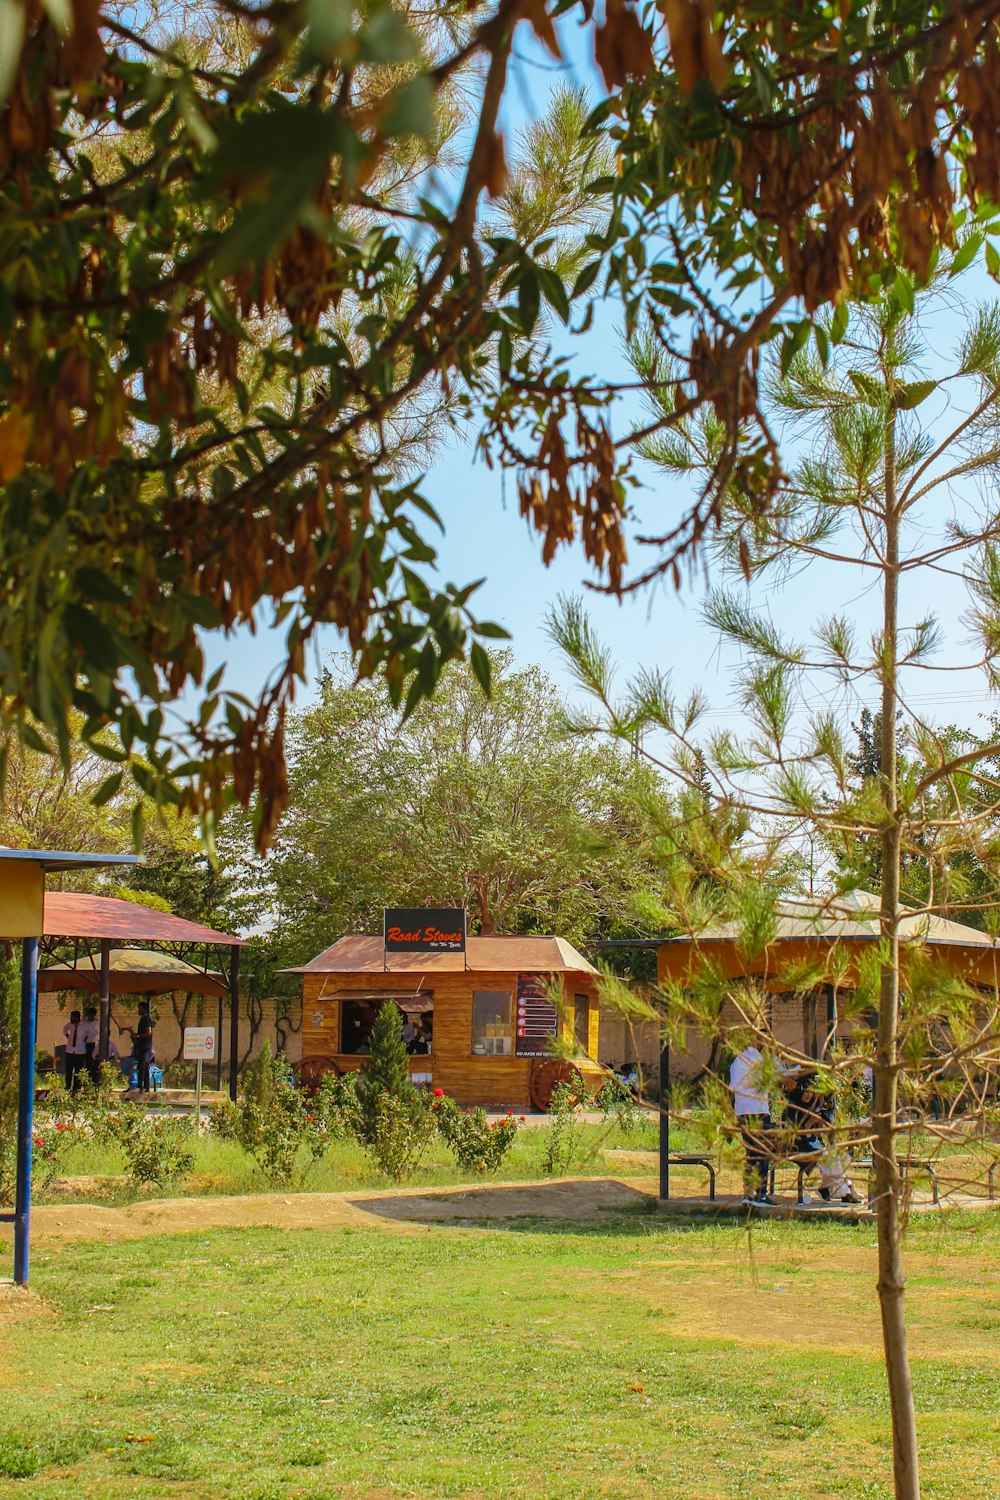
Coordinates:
<point>521,1118</point>
<point>439,1093</point>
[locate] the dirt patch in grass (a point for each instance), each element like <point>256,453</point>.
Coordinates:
<point>579,1200</point>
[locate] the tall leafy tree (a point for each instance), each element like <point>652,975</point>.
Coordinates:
<point>488,803</point>
<point>882,432</point>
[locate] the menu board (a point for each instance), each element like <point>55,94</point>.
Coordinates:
<point>536,1020</point>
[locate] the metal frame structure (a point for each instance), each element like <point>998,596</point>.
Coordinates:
<point>104,920</point>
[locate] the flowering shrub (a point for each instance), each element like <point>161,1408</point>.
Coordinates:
<point>48,1148</point>
<point>478,1144</point>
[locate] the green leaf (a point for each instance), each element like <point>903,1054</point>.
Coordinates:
<point>586,278</point>
<point>108,788</point>
<point>967,254</point>
<point>528,299</point>
<point>822,344</point>
<point>839,322</point>
<point>479,660</point>
<point>11,38</point>
<point>260,227</point>
<point>993,261</point>
<point>555,292</point>
<point>794,340</point>
<point>411,111</point>
<point>902,290</point>
<point>386,38</point>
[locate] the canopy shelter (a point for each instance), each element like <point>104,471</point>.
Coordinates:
<point>95,922</point>
<point>22,916</point>
<point>808,930</point>
<point>133,971</point>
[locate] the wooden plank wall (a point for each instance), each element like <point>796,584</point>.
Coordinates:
<point>495,1082</point>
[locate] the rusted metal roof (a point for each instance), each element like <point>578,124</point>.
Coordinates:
<point>70,914</point>
<point>355,954</point>
<point>853,917</point>
<point>132,971</point>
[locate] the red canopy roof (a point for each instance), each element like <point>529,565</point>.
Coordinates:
<point>69,914</point>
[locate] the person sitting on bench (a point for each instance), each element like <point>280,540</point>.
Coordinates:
<point>810,1111</point>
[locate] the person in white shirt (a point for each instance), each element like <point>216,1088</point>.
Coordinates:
<point>753,1115</point>
<point>76,1050</point>
<point>91,1032</point>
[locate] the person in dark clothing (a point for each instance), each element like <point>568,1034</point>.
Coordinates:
<point>810,1112</point>
<point>91,1040</point>
<point>76,1054</point>
<point>143,1048</point>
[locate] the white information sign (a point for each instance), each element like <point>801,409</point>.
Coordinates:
<point>199,1043</point>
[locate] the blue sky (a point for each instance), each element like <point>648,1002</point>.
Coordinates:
<point>484,536</point>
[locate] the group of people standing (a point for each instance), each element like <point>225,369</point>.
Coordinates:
<point>804,1132</point>
<point>83,1052</point>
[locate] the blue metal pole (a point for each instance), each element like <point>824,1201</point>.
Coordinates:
<point>25,1107</point>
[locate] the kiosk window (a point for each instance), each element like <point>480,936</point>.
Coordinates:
<point>492,1029</point>
<point>581,1014</point>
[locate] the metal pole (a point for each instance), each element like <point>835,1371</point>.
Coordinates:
<point>218,1046</point>
<point>105,1036</point>
<point>197,1100</point>
<point>664,1097</point>
<point>234,1019</point>
<point>25,1108</point>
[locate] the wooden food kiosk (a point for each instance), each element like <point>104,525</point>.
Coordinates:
<point>481,1020</point>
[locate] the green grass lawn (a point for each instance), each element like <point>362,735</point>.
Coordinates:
<point>636,1357</point>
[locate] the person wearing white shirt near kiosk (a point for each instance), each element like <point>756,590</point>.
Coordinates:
<point>76,1050</point>
<point>753,1115</point>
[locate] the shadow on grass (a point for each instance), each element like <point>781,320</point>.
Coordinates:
<point>575,1206</point>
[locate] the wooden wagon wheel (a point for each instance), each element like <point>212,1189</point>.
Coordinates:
<point>312,1070</point>
<point>546,1074</point>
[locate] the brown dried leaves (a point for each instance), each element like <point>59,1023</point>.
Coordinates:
<point>557,508</point>
<point>623,47</point>
<point>695,45</point>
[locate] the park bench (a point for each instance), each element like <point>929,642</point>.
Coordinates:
<point>697,1161</point>
<point>911,1164</point>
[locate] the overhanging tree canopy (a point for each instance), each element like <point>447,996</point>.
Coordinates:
<point>227,284</point>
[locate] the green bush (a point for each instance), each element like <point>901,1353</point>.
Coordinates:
<point>272,1121</point>
<point>478,1144</point>
<point>337,1106</point>
<point>159,1151</point>
<point>400,1136</point>
<point>619,1106</point>
<point>385,1071</point>
<point>562,1131</point>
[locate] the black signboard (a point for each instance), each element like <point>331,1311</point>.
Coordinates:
<point>535,1019</point>
<point>424,929</point>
